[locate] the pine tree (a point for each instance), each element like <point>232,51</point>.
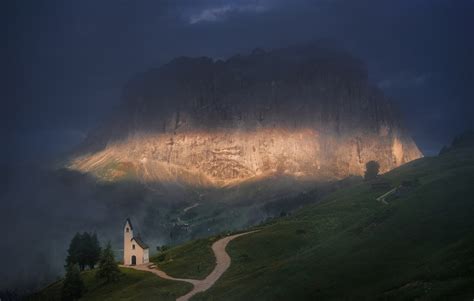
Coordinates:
<point>73,286</point>
<point>108,268</point>
<point>74,250</point>
<point>93,251</point>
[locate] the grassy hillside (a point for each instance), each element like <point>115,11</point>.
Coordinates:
<point>192,260</point>
<point>195,258</point>
<point>419,245</point>
<point>133,285</point>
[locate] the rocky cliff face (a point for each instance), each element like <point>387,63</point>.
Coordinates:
<point>305,111</point>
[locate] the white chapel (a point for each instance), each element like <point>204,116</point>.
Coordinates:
<point>135,251</point>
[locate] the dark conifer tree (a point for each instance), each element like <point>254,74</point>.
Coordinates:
<point>73,250</point>
<point>108,268</point>
<point>73,286</point>
<point>94,251</point>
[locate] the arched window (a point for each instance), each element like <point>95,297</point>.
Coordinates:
<point>126,229</point>
<point>133,247</point>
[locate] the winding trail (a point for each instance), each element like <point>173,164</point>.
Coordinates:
<point>383,196</point>
<point>191,207</point>
<point>223,261</point>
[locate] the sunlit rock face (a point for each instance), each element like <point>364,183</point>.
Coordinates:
<point>306,112</point>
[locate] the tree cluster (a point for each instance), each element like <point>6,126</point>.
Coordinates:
<point>84,250</point>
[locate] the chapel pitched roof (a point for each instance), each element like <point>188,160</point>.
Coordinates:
<point>140,242</point>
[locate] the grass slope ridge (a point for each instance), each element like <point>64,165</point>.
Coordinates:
<point>133,285</point>
<point>419,246</point>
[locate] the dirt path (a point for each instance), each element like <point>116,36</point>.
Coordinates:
<point>191,207</point>
<point>383,196</point>
<point>223,261</point>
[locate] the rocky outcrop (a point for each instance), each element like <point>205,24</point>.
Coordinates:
<point>305,111</point>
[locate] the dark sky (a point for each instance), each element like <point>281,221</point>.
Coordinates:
<point>67,61</point>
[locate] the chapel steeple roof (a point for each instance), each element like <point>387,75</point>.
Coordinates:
<point>129,222</point>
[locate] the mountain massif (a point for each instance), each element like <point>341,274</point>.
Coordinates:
<point>307,112</point>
